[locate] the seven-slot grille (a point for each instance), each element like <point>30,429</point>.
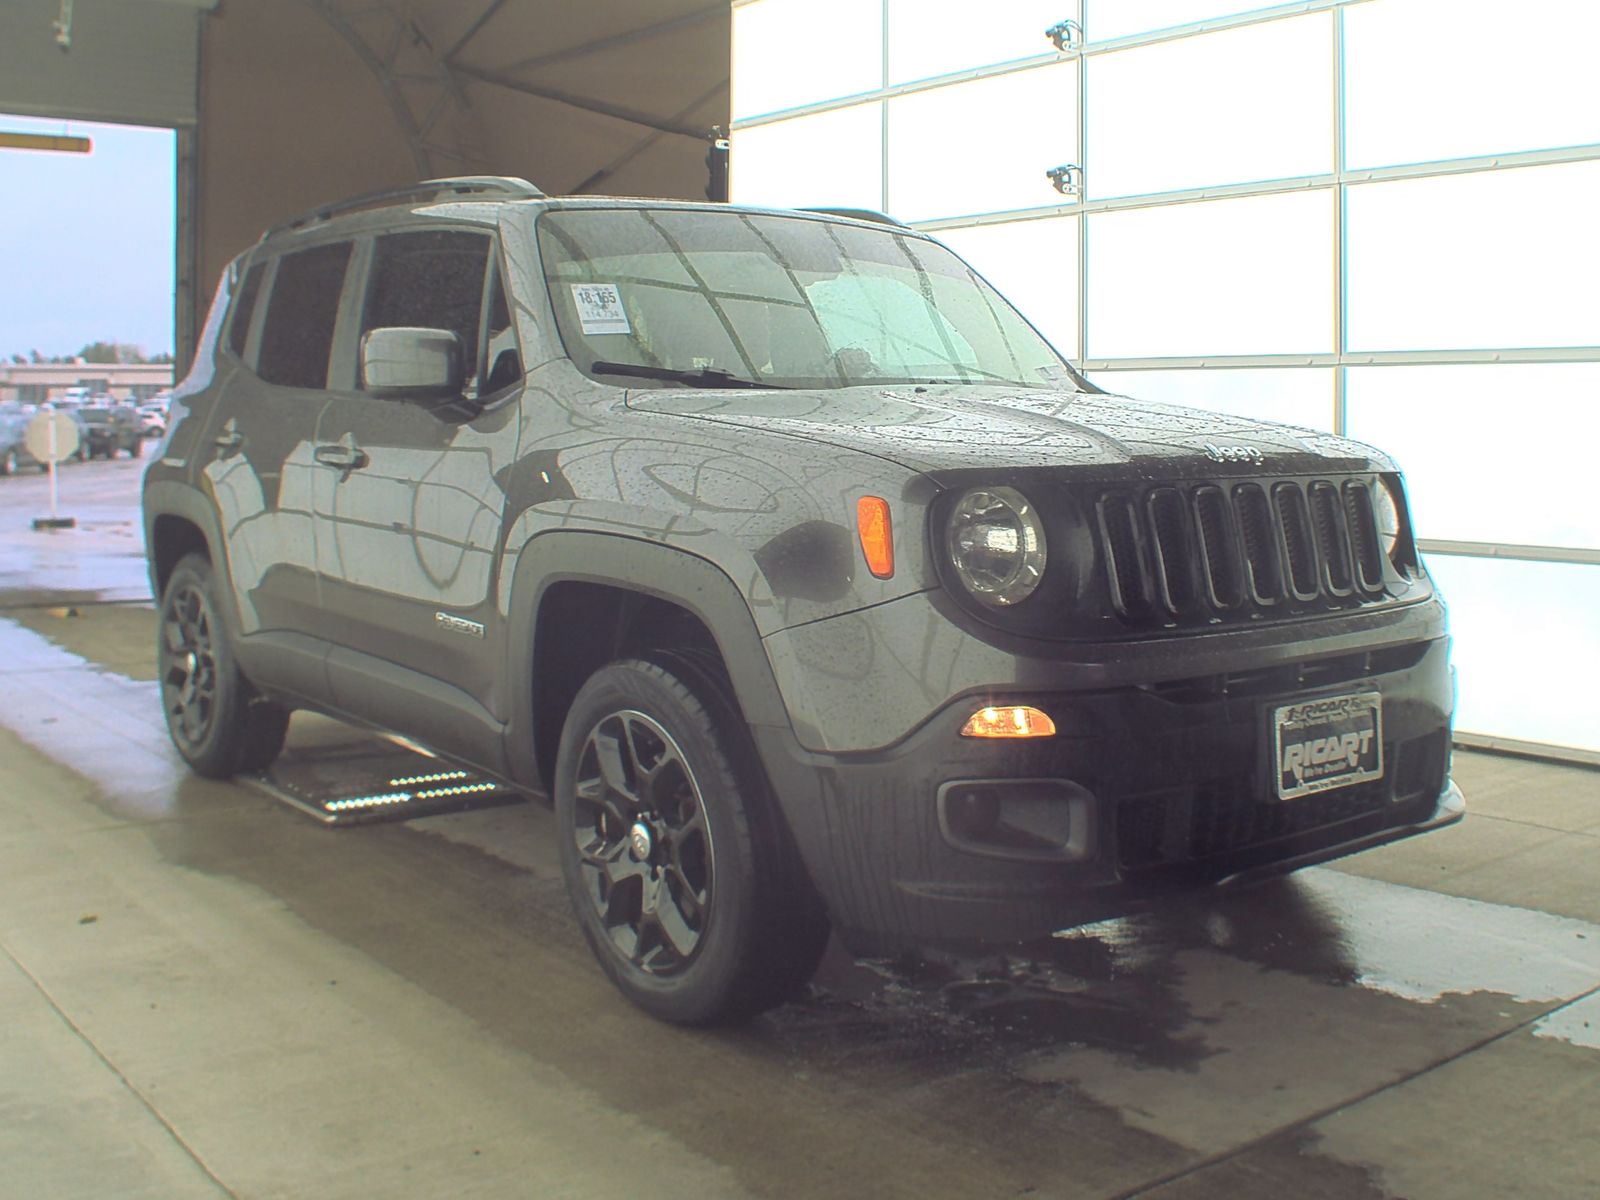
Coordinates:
<point>1200,551</point>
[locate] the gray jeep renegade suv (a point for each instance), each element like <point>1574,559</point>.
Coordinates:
<point>803,575</point>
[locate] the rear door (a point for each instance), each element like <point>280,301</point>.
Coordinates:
<point>409,505</point>
<point>258,456</point>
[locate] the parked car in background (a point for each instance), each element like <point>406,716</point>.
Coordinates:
<point>112,428</point>
<point>14,452</point>
<point>153,418</point>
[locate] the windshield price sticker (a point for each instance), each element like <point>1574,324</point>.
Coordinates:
<point>1325,744</point>
<point>600,308</point>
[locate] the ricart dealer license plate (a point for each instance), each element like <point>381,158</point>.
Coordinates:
<point>1328,743</point>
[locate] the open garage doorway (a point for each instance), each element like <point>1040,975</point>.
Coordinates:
<point>87,234</point>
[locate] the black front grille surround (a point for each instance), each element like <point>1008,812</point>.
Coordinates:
<point>1205,552</point>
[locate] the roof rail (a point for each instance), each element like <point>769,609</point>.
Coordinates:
<point>860,214</point>
<point>436,191</point>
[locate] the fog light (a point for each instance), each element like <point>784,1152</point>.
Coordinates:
<point>1015,721</point>
<point>972,813</point>
<point>1039,820</point>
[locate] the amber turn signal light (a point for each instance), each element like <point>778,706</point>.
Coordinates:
<point>877,539</point>
<point>1014,721</point>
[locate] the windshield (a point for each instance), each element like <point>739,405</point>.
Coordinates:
<point>722,298</point>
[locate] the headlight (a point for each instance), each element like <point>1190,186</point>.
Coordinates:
<point>1386,514</point>
<point>996,544</point>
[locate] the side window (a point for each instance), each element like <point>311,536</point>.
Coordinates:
<point>502,363</point>
<point>298,334</point>
<point>431,279</point>
<point>244,308</point>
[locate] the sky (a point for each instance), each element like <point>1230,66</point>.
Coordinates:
<point>86,240</point>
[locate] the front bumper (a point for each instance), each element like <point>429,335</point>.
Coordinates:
<point>1151,788</point>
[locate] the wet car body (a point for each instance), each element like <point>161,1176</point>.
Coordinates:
<point>454,569</point>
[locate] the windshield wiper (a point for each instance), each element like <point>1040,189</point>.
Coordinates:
<point>711,377</point>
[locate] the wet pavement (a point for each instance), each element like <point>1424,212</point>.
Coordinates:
<point>207,993</point>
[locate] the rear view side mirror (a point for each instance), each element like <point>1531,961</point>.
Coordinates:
<point>412,364</point>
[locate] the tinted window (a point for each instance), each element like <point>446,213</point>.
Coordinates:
<point>299,330</point>
<point>429,280</point>
<point>244,308</point>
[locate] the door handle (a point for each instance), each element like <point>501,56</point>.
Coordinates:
<point>230,438</point>
<point>343,454</point>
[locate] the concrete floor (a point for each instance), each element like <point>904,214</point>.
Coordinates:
<point>206,993</point>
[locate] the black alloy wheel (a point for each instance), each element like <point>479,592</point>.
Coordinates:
<point>678,863</point>
<point>217,721</point>
<point>189,668</point>
<point>644,846</point>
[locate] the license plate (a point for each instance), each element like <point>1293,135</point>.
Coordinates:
<point>1329,743</point>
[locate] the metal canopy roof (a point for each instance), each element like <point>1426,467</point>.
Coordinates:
<point>466,80</point>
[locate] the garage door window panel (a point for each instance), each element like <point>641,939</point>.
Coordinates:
<point>839,41</point>
<point>1229,107</point>
<point>832,158</point>
<point>1247,276</point>
<point>1121,18</point>
<point>1034,264</point>
<point>1423,81</point>
<point>298,335</point>
<point>1013,129</point>
<point>1522,636</point>
<point>1537,425</point>
<point>1485,260</point>
<point>923,38</point>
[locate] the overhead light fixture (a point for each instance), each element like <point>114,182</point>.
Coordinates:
<point>44,141</point>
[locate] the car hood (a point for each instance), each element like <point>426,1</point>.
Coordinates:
<point>948,428</point>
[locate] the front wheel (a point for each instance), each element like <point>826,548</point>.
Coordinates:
<point>673,851</point>
<point>218,722</point>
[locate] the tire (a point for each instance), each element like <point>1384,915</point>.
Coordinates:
<point>8,463</point>
<point>675,857</point>
<point>135,448</point>
<point>216,719</point>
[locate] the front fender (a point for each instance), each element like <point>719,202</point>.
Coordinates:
<point>180,501</point>
<point>648,568</point>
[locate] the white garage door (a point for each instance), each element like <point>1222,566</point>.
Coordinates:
<point>128,61</point>
<point>1338,213</point>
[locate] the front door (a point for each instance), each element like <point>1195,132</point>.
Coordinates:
<point>409,508</point>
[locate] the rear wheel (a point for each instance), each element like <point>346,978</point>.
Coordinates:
<point>216,719</point>
<point>674,853</point>
<point>135,448</point>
